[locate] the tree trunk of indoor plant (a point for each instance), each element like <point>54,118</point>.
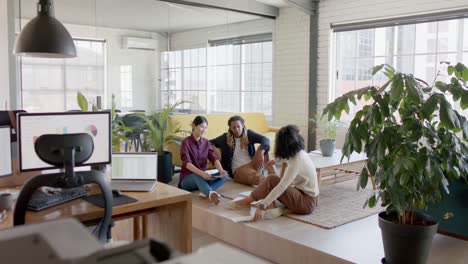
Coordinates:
<point>327,147</point>
<point>407,243</point>
<point>165,167</point>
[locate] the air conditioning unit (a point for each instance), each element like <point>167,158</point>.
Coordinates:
<point>139,43</point>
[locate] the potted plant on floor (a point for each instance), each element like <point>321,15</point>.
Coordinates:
<point>327,130</point>
<point>159,132</point>
<point>415,141</point>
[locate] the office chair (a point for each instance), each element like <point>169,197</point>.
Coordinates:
<point>137,124</point>
<point>66,151</point>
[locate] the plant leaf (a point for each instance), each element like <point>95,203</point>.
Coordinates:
<point>82,102</point>
<point>450,70</point>
<point>448,117</point>
<point>372,201</point>
<point>464,100</point>
<point>363,178</point>
<point>465,75</point>
<point>414,92</point>
<point>430,106</point>
<point>377,68</point>
<point>396,90</point>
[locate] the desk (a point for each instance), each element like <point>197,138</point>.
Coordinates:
<point>333,163</point>
<point>165,213</point>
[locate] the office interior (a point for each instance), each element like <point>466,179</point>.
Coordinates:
<point>286,59</point>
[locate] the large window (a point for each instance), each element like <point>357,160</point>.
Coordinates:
<point>51,84</point>
<point>415,48</point>
<point>126,86</point>
<point>228,76</point>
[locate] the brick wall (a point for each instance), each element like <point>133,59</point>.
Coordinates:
<point>291,68</point>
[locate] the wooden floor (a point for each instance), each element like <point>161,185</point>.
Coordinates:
<point>201,239</point>
<point>285,240</point>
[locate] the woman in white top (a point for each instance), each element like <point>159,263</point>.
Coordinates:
<point>297,188</point>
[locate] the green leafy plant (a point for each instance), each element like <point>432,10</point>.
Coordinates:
<point>158,131</point>
<point>83,103</point>
<point>414,140</point>
<point>326,128</point>
<point>118,128</point>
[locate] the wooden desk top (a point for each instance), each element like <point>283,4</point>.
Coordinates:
<point>162,195</point>
<point>322,162</point>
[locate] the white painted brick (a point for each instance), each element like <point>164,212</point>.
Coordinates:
<point>339,11</point>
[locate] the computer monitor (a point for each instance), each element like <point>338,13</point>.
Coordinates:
<point>5,149</point>
<point>33,125</point>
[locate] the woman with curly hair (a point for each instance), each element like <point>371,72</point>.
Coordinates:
<point>296,188</point>
<point>238,154</point>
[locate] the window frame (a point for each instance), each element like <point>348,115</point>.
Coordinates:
<point>167,93</point>
<point>460,52</point>
<point>62,64</point>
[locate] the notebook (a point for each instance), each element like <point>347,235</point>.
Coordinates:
<point>134,171</point>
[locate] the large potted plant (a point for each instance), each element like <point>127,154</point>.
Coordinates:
<point>415,141</point>
<point>159,132</point>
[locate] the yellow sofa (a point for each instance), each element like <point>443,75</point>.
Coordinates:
<point>217,125</point>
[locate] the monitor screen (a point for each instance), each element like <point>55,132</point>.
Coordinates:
<point>134,166</point>
<point>33,125</point>
<point>5,149</point>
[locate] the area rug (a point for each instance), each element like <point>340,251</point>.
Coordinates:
<point>339,204</point>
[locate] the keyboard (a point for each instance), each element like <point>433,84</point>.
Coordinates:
<point>41,200</point>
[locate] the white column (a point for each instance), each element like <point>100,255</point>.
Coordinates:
<point>4,56</point>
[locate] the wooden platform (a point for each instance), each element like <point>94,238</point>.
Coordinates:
<point>285,240</point>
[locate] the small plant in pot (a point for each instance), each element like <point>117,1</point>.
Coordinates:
<point>159,132</point>
<point>415,141</point>
<point>327,130</point>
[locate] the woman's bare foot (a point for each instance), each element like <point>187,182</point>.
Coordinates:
<point>270,166</point>
<point>214,197</point>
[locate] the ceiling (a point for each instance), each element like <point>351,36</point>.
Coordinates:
<point>147,15</point>
<point>277,3</point>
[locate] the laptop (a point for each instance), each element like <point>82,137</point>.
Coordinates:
<point>134,171</point>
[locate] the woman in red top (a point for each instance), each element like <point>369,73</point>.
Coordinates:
<point>194,152</point>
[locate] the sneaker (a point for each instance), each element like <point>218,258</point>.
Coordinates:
<point>275,212</point>
<point>214,197</point>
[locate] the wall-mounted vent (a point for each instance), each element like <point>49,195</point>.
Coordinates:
<point>139,43</point>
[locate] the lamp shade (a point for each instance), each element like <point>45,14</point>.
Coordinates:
<point>44,36</point>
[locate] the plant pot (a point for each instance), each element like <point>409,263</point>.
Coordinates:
<point>165,167</point>
<point>327,147</point>
<point>407,243</point>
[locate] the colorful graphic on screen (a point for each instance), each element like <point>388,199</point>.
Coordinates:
<point>91,129</point>
<point>64,130</point>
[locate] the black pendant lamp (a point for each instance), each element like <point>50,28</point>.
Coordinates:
<point>44,36</point>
